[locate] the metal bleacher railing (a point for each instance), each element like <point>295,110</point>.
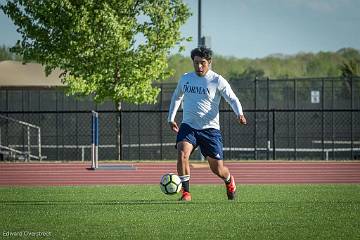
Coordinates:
<point>22,132</point>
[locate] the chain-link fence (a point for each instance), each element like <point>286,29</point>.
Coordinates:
<point>288,119</point>
<point>145,135</point>
<point>273,134</point>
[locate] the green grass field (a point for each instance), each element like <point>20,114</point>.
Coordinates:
<point>143,212</point>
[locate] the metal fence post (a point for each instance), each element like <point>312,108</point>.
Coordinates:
<point>323,119</point>
<point>119,131</point>
<point>39,141</point>
<point>268,119</point>
<point>138,132</point>
<point>352,117</point>
<point>255,118</point>
<point>295,121</point>
<point>94,139</point>
<point>28,144</point>
<point>161,121</point>
<point>274,134</point>
<point>332,119</point>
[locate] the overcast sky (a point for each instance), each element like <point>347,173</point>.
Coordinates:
<point>258,28</point>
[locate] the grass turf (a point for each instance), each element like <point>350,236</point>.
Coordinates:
<point>143,212</point>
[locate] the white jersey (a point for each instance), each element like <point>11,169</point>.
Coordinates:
<point>201,98</point>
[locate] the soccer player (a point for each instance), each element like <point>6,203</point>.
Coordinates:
<point>201,91</point>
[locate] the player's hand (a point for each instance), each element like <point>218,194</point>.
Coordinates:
<point>174,127</point>
<point>242,120</point>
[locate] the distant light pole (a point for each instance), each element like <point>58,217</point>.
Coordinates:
<point>200,43</point>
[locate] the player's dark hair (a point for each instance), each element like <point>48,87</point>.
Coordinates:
<point>202,52</point>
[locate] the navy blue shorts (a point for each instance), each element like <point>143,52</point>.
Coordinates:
<point>209,140</point>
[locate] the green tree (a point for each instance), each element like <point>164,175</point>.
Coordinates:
<point>109,49</point>
<point>181,65</point>
<point>5,54</point>
<point>250,73</point>
<point>350,68</point>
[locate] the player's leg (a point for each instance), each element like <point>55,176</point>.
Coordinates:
<point>183,167</point>
<point>185,142</point>
<point>218,168</point>
<point>210,141</point>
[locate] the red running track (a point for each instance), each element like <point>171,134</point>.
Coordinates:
<point>55,174</point>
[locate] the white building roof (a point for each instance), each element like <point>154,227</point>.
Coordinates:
<point>16,74</point>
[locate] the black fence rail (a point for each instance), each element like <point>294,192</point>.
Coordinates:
<point>296,93</point>
<point>306,134</point>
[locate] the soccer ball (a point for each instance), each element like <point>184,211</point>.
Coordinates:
<point>170,183</point>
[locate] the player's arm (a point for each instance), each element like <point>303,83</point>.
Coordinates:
<point>174,106</point>
<point>228,94</point>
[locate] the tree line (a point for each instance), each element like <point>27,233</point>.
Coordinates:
<point>344,62</point>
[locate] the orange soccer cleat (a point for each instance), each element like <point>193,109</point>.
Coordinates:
<point>231,189</point>
<point>186,196</point>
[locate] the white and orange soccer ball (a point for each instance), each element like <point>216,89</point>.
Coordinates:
<point>170,183</point>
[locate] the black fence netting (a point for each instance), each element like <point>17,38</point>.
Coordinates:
<point>315,119</point>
